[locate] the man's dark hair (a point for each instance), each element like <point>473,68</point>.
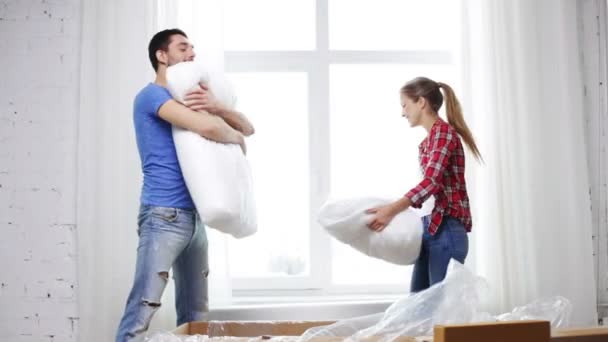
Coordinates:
<point>161,41</point>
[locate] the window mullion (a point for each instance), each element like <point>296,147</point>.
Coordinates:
<point>320,246</point>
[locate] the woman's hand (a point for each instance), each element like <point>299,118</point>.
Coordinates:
<point>383,216</point>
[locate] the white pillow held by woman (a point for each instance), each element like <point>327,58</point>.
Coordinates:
<point>399,242</point>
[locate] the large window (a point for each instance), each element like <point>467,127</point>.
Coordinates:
<point>320,80</point>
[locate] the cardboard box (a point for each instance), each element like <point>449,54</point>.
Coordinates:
<point>597,334</point>
<point>521,331</point>
<point>247,328</point>
<point>266,329</point>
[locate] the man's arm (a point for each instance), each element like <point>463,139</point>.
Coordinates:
<point>203,99</point>
<point>209,126</point>
<point>236,120</point>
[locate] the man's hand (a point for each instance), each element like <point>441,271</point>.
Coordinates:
<point>243,145</point>
<point>202,123</point>
<point>202,99</point>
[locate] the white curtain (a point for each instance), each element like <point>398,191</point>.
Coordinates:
<point>114,67</point>
<point>202,22</point>
<point>532,236</point>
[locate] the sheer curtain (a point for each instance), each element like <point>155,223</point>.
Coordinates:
<point>202,22</point>
<point>114,67</point>
<point>533,234</point>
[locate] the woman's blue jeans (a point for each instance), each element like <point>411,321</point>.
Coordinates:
<point>450,241</point>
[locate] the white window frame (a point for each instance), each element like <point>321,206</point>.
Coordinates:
<point>316,64</point>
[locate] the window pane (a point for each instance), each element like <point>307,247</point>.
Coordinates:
<point>374,152</point>
<point>353,268</point>
<point>269,25</point>
<point>277,105</point>
<point>393,24</point>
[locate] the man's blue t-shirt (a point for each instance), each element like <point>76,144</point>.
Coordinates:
<point>164,185</point>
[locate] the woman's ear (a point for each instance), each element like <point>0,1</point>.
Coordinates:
<point>422,103</point>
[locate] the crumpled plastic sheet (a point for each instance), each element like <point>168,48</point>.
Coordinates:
<point>456,300</point>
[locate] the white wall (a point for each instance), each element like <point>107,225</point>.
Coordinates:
<point>39,44</point>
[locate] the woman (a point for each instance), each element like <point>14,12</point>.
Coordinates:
<point>442,162</point>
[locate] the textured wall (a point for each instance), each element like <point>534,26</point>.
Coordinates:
<point>39,41</point>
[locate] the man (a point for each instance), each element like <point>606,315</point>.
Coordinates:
<point>169,236</point>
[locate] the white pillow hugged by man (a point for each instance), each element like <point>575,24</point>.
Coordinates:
<point>218,176</point>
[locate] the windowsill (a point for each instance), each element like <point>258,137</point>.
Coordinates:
<point>313,299</point>
<point>333,307</point>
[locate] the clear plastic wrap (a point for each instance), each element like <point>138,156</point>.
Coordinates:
<point>456,300</point>
<point>556,310</point>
